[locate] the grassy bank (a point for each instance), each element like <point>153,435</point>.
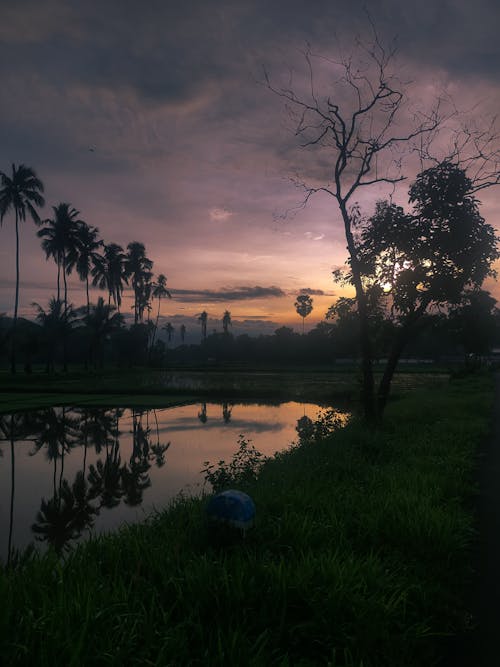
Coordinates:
<point>359,556</point>
<point>157,387</point>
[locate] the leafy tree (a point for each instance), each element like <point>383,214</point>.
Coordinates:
<point>362,127</point>
<point>109,272</point>
<point>303,306</point>
<point>20,192</point>
<point>474,321</point>
<point>427,258</point>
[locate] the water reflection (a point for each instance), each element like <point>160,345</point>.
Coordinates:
<point>66,473</point>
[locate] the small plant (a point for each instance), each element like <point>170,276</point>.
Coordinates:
<point>325,424</point>
<point>241,470</point>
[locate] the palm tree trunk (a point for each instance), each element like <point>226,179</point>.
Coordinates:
<point>16,302</point>
<point>88,298</point>
<point>58,280</point>
<point>12,488</point>
<point>65,342</point>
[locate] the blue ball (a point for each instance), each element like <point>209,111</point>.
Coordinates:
<point>233,508</point>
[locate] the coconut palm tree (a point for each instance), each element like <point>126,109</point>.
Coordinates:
<point>88,257</point>
<point>170,331</point>
<point>203,319</point>
<point>138,269</point>
<point>160,291</point>
<point>20,192</point>
<point>108,272</point>
<point>303,306</point>
<point>101,321</point>
<point>226,321</point>
<point>60,240</point>
<point>56,322</point>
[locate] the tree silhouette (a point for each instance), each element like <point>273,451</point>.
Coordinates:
<point>170,331</point>
<point>226,321</point>
<point>88,257</point>
<point>109,273</point>
<point>160,291</point>
<point>203,319</point>
<point>56,323</point>
<point>60,240</point>
<point>226,412</point>
<point>303,306</point>
<point>361,126</point>
<point>63,517</point>
<point>202,415</point>
<point>13,427</point>
<point>101,322</point>
<point>20,192</point>
<point>105,478</point>
<point>182,331</point>
<point>138,269</point>
<point>427,258</point>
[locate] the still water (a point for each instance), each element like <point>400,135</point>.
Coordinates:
<point>68,473</point>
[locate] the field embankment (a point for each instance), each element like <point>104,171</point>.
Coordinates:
<point>360,556</point>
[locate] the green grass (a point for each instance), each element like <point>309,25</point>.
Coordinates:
<point>359,556</point>
<point>160,387</point>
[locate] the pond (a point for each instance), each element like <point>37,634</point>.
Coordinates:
<point>68,473</point>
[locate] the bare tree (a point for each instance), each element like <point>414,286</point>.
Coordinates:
<point>363,128</point>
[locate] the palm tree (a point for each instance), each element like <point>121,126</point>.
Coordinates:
<point>101,322</point>
<point>160,291</point>
<point>56,323</point>
<point>88,256</point>
<point>203,318</point>
<point>183,332</point>
<point>226,321</point>
<point>60,240</point>
<point>20,193</point>
<point>170,330</point>
<point>138,268</point>
<point>108,272</point>
<point>303,306</point>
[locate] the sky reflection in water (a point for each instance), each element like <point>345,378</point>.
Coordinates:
<point>133,462</point>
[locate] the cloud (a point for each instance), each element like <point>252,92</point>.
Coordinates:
<point>220,214</point>
<point>315,292</point>
<point>313,236</point>
<point>236,294</point>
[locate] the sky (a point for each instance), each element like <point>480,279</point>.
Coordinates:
<point>152,119</point>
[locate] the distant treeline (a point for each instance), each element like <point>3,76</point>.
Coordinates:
<point>100,338</point>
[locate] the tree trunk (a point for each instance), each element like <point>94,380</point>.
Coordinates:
<point>16,302</point>
<point>402,338</point>
<point>12,489</point>
<point>392,362</point>
<point>58,279</point>
<point>368,389</point>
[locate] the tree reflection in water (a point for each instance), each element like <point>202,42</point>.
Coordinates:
<point>12,428</point>
<point>73,507</point>
<point>226,412</point>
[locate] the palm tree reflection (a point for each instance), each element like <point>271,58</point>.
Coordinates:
<point>66,515</point>
<point>73,506</point>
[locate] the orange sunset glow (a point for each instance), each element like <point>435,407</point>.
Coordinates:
<point>161,131</point>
